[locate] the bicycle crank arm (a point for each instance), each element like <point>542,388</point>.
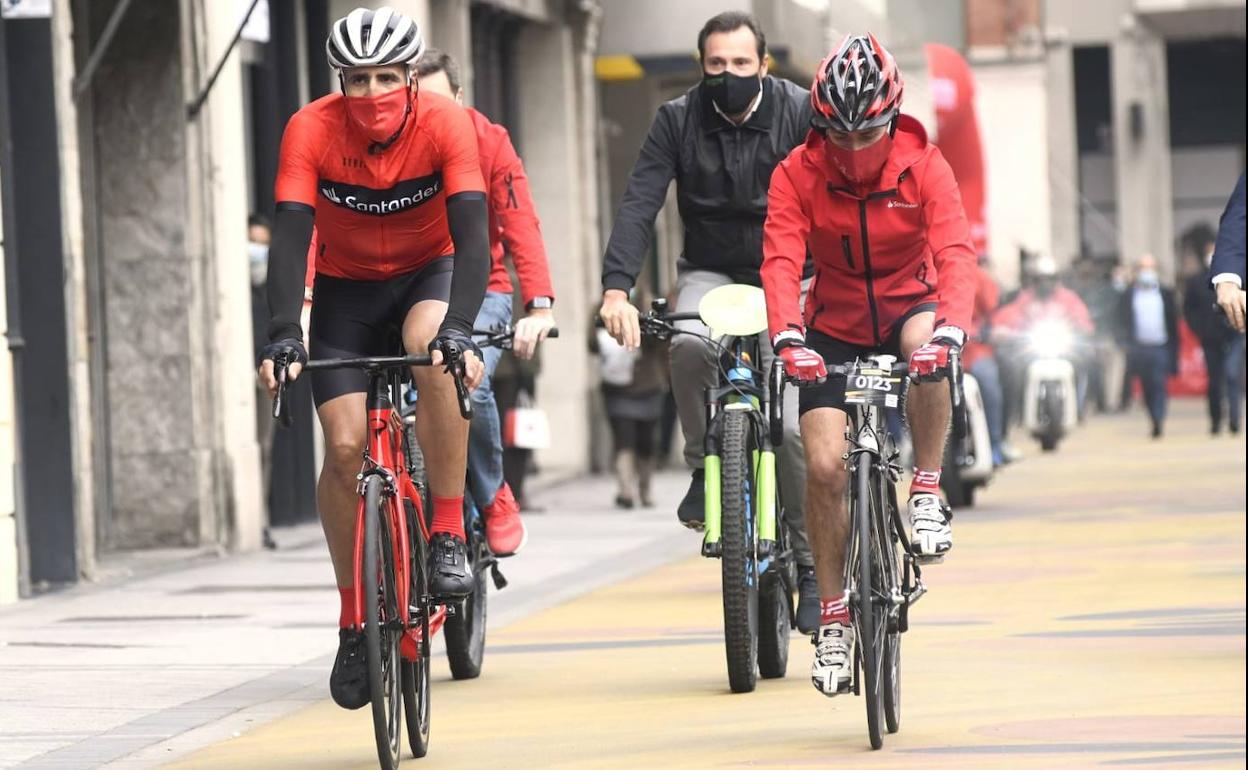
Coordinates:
<point>496,575</point>
<point>916,593</point>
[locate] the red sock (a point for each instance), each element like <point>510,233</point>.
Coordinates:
<point>925,482</point>
<point>834,611</point>
<point>346,611</point>
<point>448,515</point>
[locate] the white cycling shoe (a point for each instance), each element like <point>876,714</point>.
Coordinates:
<point>833,670</point>
<point>930,534</point>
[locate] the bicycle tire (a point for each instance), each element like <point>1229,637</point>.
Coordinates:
<point>738,566</point>
<point>465,631</point>
<point>867,617</point>
<point>416,674</point>
<point>775,603</point>
<point>380,609</point>
<point>889,539</point>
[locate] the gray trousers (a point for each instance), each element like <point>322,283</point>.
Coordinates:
<point>694,369</point>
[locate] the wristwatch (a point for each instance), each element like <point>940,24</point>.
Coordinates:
<point>540,303</point>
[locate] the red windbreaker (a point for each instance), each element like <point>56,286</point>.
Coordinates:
<point>1028,309</point>
<point>876,257</point>
<point>513,217</point>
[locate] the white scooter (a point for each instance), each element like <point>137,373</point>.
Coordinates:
<point>968,453</point>
<point>1050,396</point>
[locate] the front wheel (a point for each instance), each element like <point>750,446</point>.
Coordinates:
<point>737,563</point>
<point>382,624</point>
<point>416,701</point>
<point>870,622</point>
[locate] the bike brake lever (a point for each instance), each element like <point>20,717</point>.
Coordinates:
<point>282,414</point>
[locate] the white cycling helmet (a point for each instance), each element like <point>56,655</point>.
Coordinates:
<point>365,38</point>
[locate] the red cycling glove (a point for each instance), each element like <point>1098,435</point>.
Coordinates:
<point>929,361</point>
<point>801,363</point>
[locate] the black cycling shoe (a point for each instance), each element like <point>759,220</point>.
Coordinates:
<point>692,510</point>
<point>348,682</point>
<point>807,600</point>
<point>452,577</point>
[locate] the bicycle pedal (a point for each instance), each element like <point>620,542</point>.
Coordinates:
<point>925,560</point>
<point>496,575</point>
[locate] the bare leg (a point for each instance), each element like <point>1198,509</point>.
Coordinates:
<point>441,431</point>
<point>827,520</point>
<point>342,420</point>
<point>927,403</point>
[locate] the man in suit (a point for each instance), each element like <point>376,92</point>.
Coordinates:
<point>1226,273</point>
<point>1151,337</point>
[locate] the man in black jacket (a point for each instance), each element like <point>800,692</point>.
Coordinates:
<point>720,142</point>
<point>1223,346</point>
<point>1150,326</point>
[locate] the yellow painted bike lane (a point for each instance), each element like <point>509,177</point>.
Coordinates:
<point>1092,615</point>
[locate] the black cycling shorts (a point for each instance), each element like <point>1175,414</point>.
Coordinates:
<point>834,352</point>
<point>353,318</point>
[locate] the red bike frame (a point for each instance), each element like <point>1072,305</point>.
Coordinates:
<point>385,458</point>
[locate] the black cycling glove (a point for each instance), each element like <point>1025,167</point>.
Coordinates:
<point>454,343</point>
<point>289,350</point>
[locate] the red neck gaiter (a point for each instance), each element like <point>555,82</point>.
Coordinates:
<point>861,167</point>
<point>381,117</point>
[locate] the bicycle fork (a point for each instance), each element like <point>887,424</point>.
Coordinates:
<point>763,465</point>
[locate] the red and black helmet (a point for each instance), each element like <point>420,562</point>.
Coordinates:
<point>856,87</point>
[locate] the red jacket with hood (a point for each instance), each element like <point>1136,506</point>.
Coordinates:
<point>876,256</point>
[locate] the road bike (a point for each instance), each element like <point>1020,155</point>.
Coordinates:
<point>393,604</point>
<point>883,576</point>
<point>744,516</point>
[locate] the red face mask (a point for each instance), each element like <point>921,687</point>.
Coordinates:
<point>863,166</point>
<point>379,117</point>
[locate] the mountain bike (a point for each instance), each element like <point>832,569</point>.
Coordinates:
<point>744,517</point>
<point>392,601</point>
<point>883,577</point>
<point>466,623</point>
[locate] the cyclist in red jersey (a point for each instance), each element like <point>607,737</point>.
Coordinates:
<point>391,179</point>
<point>878,209</point>
<point>514,232</point>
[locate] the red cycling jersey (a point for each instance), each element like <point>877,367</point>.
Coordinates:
<point>513,217</point>
<point>378,215</point>
<point>876,256</point>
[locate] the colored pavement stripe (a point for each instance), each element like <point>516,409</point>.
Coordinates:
<point>1084,619</point>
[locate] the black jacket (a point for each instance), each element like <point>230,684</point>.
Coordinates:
<point>1200,315</point>
<point>1228,254</point>
<point>722,172</point>
<point>1126,322</point>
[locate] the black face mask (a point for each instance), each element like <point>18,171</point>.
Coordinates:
<point>731,93</point>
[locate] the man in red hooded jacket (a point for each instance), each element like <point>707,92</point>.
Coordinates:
<point>514,225</point>
<point>877,208</point>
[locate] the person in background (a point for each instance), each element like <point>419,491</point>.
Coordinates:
<point>1223,346</point>
<point>1044,300</point>
<point>514,232</point>
<point>1150,328</point>
<point>979,359</point>
<point>634,388</point>
<point>1226,272</point>
<point>1091,282</point>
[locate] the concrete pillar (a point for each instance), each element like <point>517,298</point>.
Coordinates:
<point>1063,147</point>
<point>222,367</point>
<point>450,28</point>
<point>8,458</point>
<point>1142,146</point>
<point>82,466</point>
<point>564,191</point>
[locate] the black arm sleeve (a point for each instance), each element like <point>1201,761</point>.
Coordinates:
<point>288,263</point>
<point>468,219</point>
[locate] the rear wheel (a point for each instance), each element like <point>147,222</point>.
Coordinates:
<point>951,477</point>
<point>888,569</point>
<point>382,624</point>
<point>465,631</point>
<point>737,563</point>
<point>774,601</point>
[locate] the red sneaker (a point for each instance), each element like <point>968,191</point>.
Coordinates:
<point>504,530</point>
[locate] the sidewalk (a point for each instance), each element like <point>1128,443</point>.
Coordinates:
<point>149,668</point>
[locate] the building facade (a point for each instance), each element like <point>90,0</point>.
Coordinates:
<point>127,187</point>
